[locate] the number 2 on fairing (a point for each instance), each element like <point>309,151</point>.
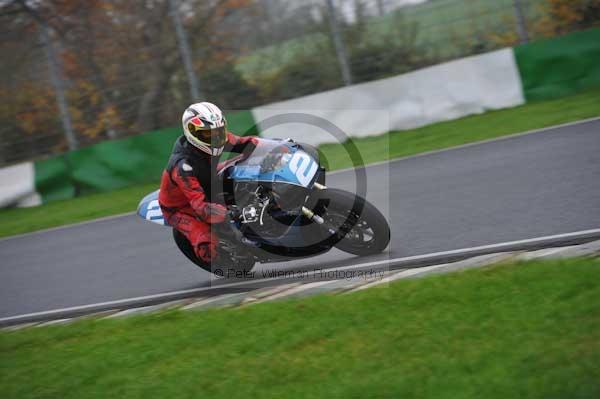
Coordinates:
<point>303,166</point>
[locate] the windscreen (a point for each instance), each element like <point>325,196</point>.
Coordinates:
<point>278,162</point>
<point>268,156</point>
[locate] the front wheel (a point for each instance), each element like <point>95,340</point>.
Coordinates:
<point>362,230</point>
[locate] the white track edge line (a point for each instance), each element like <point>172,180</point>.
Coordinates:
<point>341,268</point>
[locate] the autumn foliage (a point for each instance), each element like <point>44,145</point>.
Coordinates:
<point>123,72</point>
<point>550,18</point>
<point>120,62</point>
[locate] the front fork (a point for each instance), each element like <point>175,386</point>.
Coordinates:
<point>312,216</point>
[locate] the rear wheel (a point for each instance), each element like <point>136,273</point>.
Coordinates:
<point>231,258</point>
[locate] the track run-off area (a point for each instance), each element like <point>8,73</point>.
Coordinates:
<point>518,191</point>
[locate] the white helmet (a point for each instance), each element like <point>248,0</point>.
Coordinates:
<point>205,127</point>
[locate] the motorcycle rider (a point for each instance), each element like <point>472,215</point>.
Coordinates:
<point>189,183</point>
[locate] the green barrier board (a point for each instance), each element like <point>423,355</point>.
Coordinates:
<point>52,179</point>
<point>560,66</point>
<point>116,164</point>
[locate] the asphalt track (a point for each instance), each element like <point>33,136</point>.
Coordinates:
<point>517,188</point>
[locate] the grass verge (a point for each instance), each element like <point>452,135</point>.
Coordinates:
<point>442,135</point>
<point>24,220</point>
<point>529,329</point>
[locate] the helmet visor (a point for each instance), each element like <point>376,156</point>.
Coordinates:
<point>215,137</point>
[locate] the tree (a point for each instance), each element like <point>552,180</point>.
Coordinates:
<point>122,65</point>
<point>557,17</point>
<point>563,16</point>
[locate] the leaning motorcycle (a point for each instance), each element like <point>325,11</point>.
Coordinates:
<point>281,210</point>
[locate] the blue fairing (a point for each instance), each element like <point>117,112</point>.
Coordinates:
<point>149,209</point>
<point>273,161</point>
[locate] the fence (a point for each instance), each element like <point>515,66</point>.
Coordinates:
<point>77,73</point>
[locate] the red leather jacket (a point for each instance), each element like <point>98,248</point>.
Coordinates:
<point>189,181</point>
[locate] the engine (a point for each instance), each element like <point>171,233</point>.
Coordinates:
<point>263,211</point>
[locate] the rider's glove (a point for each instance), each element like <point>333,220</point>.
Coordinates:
<point>234,214</point>
<point>213,213</point>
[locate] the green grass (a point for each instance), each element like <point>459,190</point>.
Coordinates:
<point>373,149</point>
<point>447,29</point>
<point>23,220</point>
<point>528,330</point>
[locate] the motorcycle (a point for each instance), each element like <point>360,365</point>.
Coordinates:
<point>280,209</point>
